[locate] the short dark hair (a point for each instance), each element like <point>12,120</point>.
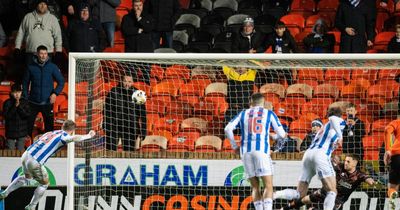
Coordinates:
<point>256,98</point>
<point>69,125</point>
<point>354,156</point>
<point>351,105</point>
<point>16,87</point>
<point>41,47</point>
<point>334,111</point>
<point>279,24</point>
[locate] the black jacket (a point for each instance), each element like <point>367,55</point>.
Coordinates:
<point>85,36</point>
<point>307,141</point>
<point>360,18</point>
<point>324,44</point>
<point>165,13</point>
<point>121,114</point>
<point>16,118</point>
<point>135,41</point>
<point>393,46</point>
<point>288,45</point>
<point>242,43</point>
<point>352,138</point>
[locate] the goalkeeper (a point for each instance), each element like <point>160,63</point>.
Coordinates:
<point>36,156</point>
<point>348,178</point>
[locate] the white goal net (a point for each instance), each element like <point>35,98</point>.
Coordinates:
<point>171,152</point>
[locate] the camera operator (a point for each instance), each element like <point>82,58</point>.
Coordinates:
<point>353,133</point>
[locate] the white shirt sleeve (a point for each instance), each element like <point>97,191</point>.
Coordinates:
<point>277,126</point>
<point>232,125</point>
<point>76,138</point>
<point>336,123</point>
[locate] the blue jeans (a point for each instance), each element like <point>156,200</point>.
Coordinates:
<point>166,36</point>
<point>109,28</point>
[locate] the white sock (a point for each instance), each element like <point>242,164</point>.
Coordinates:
<point>258,205</point>
<point>329,202</point>
<point>268,204</point>
<point>39,192</point>
<point>287,194</point>
<point>17,183</point>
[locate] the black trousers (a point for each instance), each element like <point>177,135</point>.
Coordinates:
<point>128,140</point>
<point>47,113</point>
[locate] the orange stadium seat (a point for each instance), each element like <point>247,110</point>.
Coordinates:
<point>151,118</point>
<point>337,83</point>
<point>370,110</point>
<point>179,108</point>
<point>155,106</point>
<point>318,106</point>
<point>220,104</point>
<point>310,74</point>
<point>391,109</point>
<point>388,74</point>
<point>142,86</point>
<point>226,145</point>
<point>371,146</point>
<point>302,7</point>
<point>294,20</point>
<point>300,126</point>
<point>178,71</point>
<point>326,91</point>
<point>217,88</point>
<point>380,94</point>
<point>382,39</point>
<point>204,110</point>
<point>381,17</point>
<point>153,144</point>
<point>299,90</point>
<point>183,141</point>
<point>81,88</point>
<point>208,144</point>
<point>168,135</point>
<point>170,123</point>
<point>288,110</point>
<point>369,74</point>
<point>378,126</point>
<point>59,100</point>
<point>353,91</point>
<point>194,124</point>
<point>338,74</point>
<point>157,72</point>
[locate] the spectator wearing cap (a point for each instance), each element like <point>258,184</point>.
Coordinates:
<point>39,28</point>
<point>136,28</point>
<point>16,111</point>
<point>85,34</point>
<point>316,125</point>
<point>248,40</point>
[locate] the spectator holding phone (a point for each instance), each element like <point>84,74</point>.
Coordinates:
<point>353,133</point>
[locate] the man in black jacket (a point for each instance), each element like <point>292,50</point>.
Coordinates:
<point>165,13</point>
<point>356,22</point>
<point>85,34</point>
<point>136,28</point>
<point>16,111</point>
<point>248,40</point>
<point>353,133</point>
<point>123,119</point>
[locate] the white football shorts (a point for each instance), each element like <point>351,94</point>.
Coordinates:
<point>315,161</point>
<point>257,164</point>
<point>33,168</point>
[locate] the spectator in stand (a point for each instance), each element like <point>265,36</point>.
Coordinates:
<point>248,40</point>
<point>3,37</point>
<point>124,120</point>
<point>281,42</point>
<point>319,41</point>
<point>136,28</point>
<point>353,133</point>
<point>85,34</point>
<point>240,88</point>
<point>42,95</point>
<point>16,111</point>
<point>105,12</point>
<point>316,125</point>
<point>39,28</point>
<point>356,22</point>
<point>394,44</point>
<point>165,13</point>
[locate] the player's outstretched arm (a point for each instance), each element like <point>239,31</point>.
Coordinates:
<point>79,138</point>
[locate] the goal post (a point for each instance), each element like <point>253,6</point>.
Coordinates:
<point>184,117</point>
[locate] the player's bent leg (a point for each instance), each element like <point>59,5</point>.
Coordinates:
<point>287,194</point>
<point>17,183</point>
<point>329,183</point>
<point>267,194</point>
<point>255,192</point>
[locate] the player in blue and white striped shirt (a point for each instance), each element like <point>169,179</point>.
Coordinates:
<point>317,160</point>
<point>36,156</point>
<point>254,124</point>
